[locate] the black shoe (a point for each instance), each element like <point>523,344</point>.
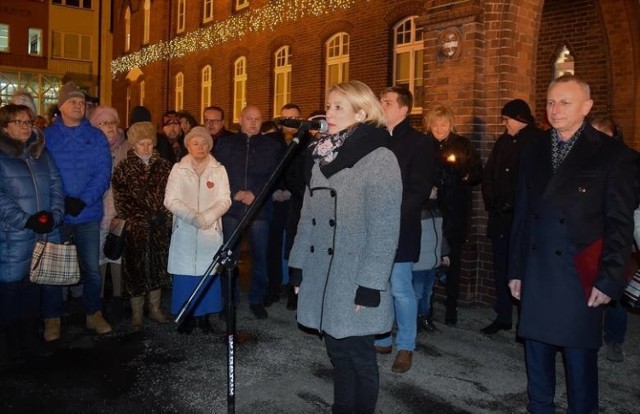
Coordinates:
<point>259,311</point>
<point>270,299</point>
<point>495,327</point>
<point>292,300</point>
<point>187,325</point>
<point>451,317</point>
<point>425,323</point>
<point>204,324</point>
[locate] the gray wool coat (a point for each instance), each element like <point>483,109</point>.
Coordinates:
<point>347,237</point>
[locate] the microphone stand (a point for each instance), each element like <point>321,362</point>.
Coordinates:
<point>224,257</point>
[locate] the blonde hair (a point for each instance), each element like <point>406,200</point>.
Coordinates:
<point>440,111</point>
<point>361,97</point>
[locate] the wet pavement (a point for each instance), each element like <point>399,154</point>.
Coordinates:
<point>282,369</point>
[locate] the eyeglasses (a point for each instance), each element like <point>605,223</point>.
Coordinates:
<point>212,121</point>
<point>20,122</point>
<point>108,123</point>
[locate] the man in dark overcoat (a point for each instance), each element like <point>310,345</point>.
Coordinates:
<point>571,238</point>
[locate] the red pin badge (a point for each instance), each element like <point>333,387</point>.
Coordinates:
<point>210,184</point>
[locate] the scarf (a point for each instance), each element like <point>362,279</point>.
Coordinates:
<point>327,146</point>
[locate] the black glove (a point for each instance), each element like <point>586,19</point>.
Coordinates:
<point>157,220</point>
<point>295,276</point>
<point>73,206</point>
<point>367,297</point>
<point>41,222</point>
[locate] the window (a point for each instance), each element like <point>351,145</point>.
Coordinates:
<point>35,42</point>
<point>408,59</point>
<point>181,16</point>
<point>142,92</point>
<point>127,29</point>
<point>564,64</point>
<point>241,4</point>
<point>239,87</point>
<point>282,79</point>
<point>337,59</point>
<point>71,46</point>
<point>147,21</point>
<point>4,37</point>
<point>205,90</point>
<point>179,91</point>
<point>85,4</point>
<point>207,11</point>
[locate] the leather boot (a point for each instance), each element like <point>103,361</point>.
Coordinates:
<point>51,329</point>
<point>402,362</point>
<point>155,312</point>
<point>97,323</point>
<point>137,307</point>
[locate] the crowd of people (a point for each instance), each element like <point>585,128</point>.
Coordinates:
<point>367,217</point>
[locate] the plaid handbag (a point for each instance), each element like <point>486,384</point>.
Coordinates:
<point>54,264</point>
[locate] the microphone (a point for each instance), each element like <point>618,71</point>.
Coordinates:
<point>320,125</point>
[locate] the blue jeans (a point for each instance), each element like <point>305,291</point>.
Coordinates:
<point>258,233</point>
<point>423,282</point>
<point>406,307</point>
<point>86,237</point>
<point>615,323</point>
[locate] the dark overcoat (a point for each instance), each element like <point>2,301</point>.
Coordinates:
<point>560,217</point>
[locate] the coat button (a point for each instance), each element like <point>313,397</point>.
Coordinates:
<point>330,251</point>
<point>310,193</point>
<point>312,249</point>
<point>313,221</point>
<point>506,169</point>
<point>533,246</point>
<point>582,189</point>
<point>332,222</point>
<point>558,253</point>
<point>333,193</point>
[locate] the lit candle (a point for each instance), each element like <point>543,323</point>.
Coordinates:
<point>451,158</point>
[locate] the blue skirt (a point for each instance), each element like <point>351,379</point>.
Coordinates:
<point>209,301</point>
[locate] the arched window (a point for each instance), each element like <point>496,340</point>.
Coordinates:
<point>205,90</point>
<point>179,91</point>
<point>181,18</point>
<point>337,59</point>
<point>142,92</point>
<point>564,64</point>
<point>127,29</point>
<point>282,79</point>
<point>207,11</point>
<point>239,86</point>
<point>147,21</point>
<point>408,59</point>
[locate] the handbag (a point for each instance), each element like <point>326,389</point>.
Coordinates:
<point>114,245</point>
<point>632,291</point>
<point>54,264</point>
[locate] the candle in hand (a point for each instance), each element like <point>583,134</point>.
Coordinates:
<point>451,158</point>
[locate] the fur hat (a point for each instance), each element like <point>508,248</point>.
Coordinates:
<point>21,97</point>
<point>103,113</point>
<point>519,110</point>
<point>139,114</point>
<point>141,130</point>
<point>199,132</point>
<point>68,91</point>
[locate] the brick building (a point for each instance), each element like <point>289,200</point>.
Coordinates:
<point>473,55</point>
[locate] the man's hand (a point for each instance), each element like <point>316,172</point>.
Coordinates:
<point>515,286</point>
<point>245,197</point>
<point>597,298</point>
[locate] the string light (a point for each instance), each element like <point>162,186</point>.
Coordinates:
<point>237,26</point>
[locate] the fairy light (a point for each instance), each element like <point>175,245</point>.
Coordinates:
<point>262,19</point>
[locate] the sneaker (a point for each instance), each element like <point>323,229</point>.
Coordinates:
<point>425,323</point>
<point>259,311</point>
<point>97,323</point>
<point>614,352</point>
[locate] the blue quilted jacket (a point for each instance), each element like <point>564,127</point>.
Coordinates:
<point>83,158</point>
<point>29,182</point>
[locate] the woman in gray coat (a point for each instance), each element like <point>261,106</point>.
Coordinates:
<point>346,241</point>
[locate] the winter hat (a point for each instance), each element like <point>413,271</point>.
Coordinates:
<point>68,91</point>
<point>141,130</point>
<point>199,132</point>
<point>139,114</point>
<point>21,97</point>
<point>103,113</point>
<point>519,110</point>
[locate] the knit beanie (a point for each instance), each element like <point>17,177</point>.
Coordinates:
<point>139,114</point>
<point>68,91</point>
<point>199,132</point>
<point>141,130</point>
<point>519,110</point>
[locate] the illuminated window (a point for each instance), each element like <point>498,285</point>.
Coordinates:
<point>407,59</point>
<point>71,46</point>
<point>35,42</point>
<point>282,79</point>
<point>127,29</point>
<point>241,4</point>
<point>337,59</point>
<point>4,37</point>
<point>85,4</point>
<point>147,21</point>
<point>142,93</point>
<point>205,90</point>
<point>239,87</point>
<point>564,64</point>
<point>179,91</point>
<point>181,16</point>
<point>207,11</point>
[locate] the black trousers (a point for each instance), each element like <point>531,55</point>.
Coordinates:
<point>503,305</point>
<point>355,374</point>
<point>275,250</point>
<point>453,275</point>
<point>19,301</point>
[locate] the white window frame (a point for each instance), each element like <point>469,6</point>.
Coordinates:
<point>281,79</point>
<point>337,54</point>
<point>181,16</point>
<point>241,4</point>
<point>34,31</point>
<point>80,6</point>
<point>207,11</point>
<point>5,39</point>
<point>205,90</point>
<point>179,95</point>
<point>564,63</point>
<point>146,30</point>
<point>239,87</point>
<point>413,45</point>
<point>127,29</point>
<point>59,48</point>
<point>143,92</point>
